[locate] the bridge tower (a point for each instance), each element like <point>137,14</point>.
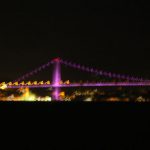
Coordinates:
<point>56,78</point>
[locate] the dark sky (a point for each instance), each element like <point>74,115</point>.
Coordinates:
<point>113,36</point>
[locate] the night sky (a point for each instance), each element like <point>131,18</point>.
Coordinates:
<point>113,36</point>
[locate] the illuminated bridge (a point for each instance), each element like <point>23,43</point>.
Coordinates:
<point>57,83</point>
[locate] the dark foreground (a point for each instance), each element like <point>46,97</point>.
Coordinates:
<point>75,125</point>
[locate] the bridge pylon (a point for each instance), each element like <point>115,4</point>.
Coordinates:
<point>56,79</point>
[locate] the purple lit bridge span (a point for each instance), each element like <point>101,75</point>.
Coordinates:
<point>57,84</point>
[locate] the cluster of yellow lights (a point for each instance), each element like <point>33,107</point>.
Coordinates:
<point>4,85</point>
<point>27,95</point>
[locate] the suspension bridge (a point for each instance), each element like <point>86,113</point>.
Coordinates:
<point>57,83</point>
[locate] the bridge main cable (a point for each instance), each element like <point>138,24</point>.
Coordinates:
<point>33,72</point>
<point>102,73</point>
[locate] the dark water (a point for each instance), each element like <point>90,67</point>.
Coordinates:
<point>76,125</point>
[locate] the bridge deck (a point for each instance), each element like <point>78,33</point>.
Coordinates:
<point>106,84</point>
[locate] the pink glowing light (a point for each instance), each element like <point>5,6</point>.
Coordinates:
<point>56,79</point>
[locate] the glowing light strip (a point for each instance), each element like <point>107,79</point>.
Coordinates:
<point>101,84</point>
